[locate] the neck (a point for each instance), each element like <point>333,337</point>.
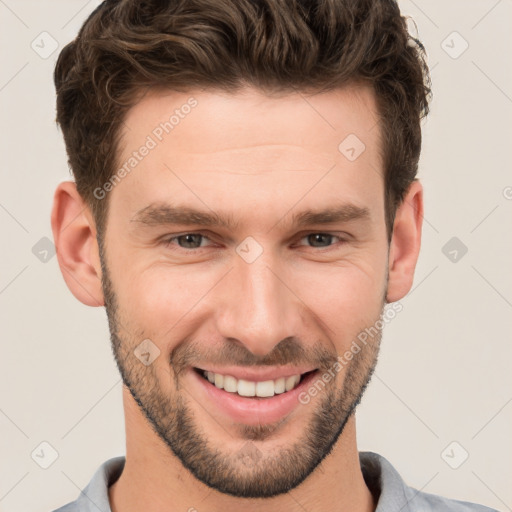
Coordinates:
<point>153,479</point>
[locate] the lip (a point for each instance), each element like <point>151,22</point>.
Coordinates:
<point>256,375</point>
<point>251,411</point>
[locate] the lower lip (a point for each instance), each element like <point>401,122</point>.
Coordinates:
<point>255,410</point>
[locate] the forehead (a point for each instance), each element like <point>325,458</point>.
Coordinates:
<point>247,148</point>
<point>210,119</point>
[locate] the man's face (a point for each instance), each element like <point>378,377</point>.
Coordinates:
<point>264,298</point>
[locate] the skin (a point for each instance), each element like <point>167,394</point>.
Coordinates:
<point>260,159</point>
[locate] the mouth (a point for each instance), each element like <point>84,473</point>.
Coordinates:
<point>250,402</point>
<point>251,388</point>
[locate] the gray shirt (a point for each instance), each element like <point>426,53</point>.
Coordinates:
<point>391,492</point>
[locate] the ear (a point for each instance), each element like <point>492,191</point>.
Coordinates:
<point>405,243</point>
<point>74,234</point>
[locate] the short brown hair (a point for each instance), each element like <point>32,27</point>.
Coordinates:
<point>126,46</point>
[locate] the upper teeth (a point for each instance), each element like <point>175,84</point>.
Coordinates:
<point>248,388</point>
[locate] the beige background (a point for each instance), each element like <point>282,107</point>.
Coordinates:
<point>444,372</point>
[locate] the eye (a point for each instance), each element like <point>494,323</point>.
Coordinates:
<point>187,240</point>
<point>192,241</point>
<point>321,238</point>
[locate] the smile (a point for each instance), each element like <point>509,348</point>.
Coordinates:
<point>259,399</point>
<point>248,388</point>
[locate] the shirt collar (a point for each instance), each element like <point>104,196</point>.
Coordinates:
<point>386,485</point>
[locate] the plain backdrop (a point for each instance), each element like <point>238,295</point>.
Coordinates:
<point>440,404</point>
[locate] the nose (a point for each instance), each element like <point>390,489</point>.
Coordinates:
<point>256,305</point>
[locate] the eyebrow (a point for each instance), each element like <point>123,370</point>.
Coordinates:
<point>158,214</point>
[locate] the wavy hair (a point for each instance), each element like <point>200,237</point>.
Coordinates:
<point>126,46</point>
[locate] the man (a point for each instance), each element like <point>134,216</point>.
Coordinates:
<point>246,208</point>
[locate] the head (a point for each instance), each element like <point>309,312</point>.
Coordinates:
<point>204,137</point>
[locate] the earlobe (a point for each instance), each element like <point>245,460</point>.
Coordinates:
<point>74,235</point>
<point>405,243</point>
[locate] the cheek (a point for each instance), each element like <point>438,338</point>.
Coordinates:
<point>167,302</point>
<point>346,297</point>
<point>158,297</point>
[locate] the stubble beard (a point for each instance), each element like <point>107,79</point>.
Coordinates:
<point>248,472</point>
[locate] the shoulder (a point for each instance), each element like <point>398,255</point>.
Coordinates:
<point>424,501</point>
<point>94,496</point>
<point>392,493</point>
<point>70,507</point>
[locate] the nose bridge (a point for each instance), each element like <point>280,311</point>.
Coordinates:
<point>257,308</point>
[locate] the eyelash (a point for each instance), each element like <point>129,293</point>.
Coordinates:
<point>168,241</point>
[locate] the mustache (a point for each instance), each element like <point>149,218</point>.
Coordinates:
<point>288,351</point>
